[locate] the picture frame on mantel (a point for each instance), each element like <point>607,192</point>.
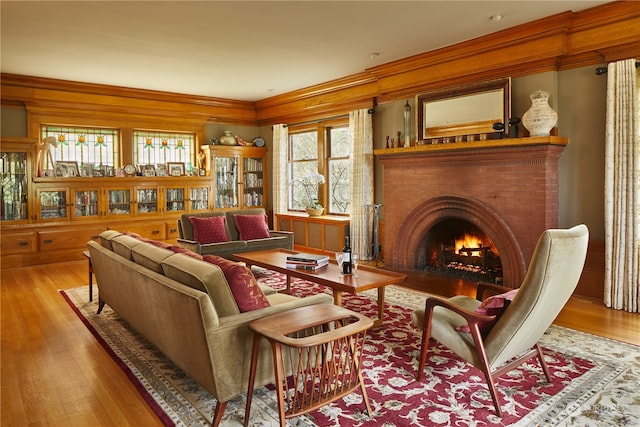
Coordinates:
<point>175,168</point>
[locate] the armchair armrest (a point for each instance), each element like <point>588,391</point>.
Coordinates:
<point>470,316</point>
<point>192,245</point>
<point>288,234</point>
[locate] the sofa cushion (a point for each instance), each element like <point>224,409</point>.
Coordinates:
<point>123,244</point>
<point>150,256</point>
<point>243,284</point>
<point>180,250</point>
<point>252,227</point>
<point>107,236</point>
<point>495,305</point>
<point>212,229</point>
<point>204,277</point>
<point>157,243</point>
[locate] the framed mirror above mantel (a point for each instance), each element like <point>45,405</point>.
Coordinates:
<point>463,113</point>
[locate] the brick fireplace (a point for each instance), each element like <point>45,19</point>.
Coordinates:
<point>507,188</point>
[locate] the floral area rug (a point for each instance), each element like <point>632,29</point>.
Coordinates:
<point>596,380</point>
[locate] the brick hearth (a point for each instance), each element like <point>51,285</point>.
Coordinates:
<point>507,188</point>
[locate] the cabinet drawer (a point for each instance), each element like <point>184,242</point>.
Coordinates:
<point>17,243</point>
<point>172,230</point>
<point>151,230</point>
<point>67,239</point>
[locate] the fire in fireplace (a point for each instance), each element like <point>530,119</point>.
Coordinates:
<point>455,247</point>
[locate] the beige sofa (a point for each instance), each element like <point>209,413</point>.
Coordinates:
<point>277,239</point>
<point>185,307</point>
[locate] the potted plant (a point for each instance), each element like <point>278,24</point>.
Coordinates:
<point>310,184</point>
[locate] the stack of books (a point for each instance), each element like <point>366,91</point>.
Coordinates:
<point>309,262</point>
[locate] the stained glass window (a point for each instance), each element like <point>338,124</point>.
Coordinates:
<point>96,146</point>
<point>154,148</point>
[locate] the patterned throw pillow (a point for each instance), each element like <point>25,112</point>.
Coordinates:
<point>243,284</point>
<point>493,306</point>
<point>252,227</point>
<point>209,230</point>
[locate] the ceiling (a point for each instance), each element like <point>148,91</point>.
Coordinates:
<point>241,50</point>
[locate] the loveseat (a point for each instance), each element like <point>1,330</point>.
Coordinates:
<point>222,233</point>
<point>191,308</point>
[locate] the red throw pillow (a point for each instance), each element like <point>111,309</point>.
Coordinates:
<point>493,306</point>
<point>252,227</point>
<point>243,284</point>
<point>180,250</point>
<point>210,229</point>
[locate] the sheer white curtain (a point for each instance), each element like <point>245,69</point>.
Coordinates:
<point>622,188</point>
<point>279,169</point>
<point>361,192</point>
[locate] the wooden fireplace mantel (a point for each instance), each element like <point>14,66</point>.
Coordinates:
<point>472,145</point>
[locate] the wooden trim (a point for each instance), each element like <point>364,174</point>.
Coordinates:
<point>558,42</point>
<point>470,145</point>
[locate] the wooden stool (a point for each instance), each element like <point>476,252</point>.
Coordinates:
<point>88,255</point>
<point>322,345</point>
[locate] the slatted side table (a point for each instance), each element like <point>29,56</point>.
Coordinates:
<point>321,345</point>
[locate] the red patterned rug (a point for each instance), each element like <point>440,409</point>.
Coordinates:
<point>592,386</point>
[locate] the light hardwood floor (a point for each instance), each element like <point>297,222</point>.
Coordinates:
<point>55,373</point>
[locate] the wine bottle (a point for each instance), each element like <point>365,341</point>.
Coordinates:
<point>346,256</point>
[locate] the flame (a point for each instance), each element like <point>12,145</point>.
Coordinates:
<point>468,241</point>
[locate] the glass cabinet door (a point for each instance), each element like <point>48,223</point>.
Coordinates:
<point>198,198</point>
<point>175,200</point>
<point>53,204</point>
<point>253,190</point>
<point>85,204</point>
<point>146,200</point>
<point>119,202</point>
<point>14,189</point>
<point>226,171</point>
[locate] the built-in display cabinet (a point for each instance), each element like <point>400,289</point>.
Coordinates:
<point>239,176</point>
<point>50,219</point>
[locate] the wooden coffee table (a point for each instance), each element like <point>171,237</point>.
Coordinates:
<point>368,277</point>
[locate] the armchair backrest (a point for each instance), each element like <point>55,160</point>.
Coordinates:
<point>553,274</point>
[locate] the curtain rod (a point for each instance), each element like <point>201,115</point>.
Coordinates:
<point>603,70</point>
<point>370,111</point>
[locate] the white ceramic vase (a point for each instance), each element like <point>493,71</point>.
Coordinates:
<point>540,118</point>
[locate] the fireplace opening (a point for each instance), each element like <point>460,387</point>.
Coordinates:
<point>457,248</point>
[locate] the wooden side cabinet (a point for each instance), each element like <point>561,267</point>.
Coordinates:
<point>323,234</point>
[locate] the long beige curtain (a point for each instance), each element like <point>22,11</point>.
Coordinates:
<point>279,168</point>
<point>622,188</point>
<point>361,191</point>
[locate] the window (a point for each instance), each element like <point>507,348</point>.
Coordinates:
<point>154,148</point>
<point>340,143</point>
<point>303,166</point>
<point>320,167</point>
<point>84,145</point>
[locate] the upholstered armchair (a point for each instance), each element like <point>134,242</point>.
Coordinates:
<point>497,342</point>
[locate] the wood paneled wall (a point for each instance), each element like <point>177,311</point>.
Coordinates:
<point>566,40</point>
